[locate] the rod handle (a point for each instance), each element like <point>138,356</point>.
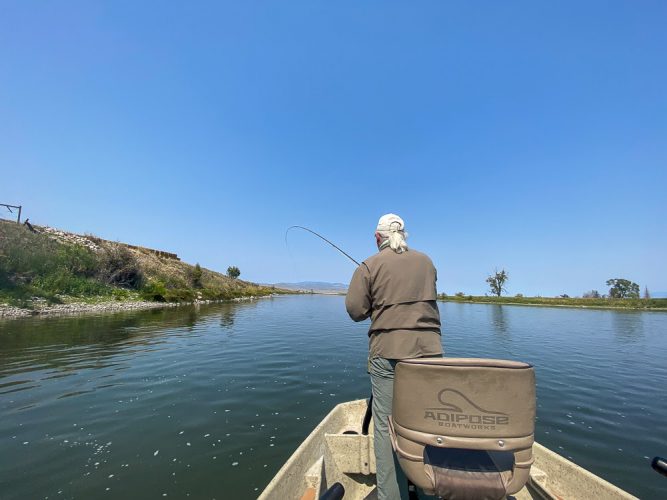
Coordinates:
<point>336,492</point>
<point>659,465</point>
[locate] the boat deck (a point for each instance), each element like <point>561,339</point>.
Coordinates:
<point>335,451</point>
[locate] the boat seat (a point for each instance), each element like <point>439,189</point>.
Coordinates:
<point>463,428</point>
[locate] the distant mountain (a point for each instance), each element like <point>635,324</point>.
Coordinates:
<point>315,286</point>
<point>658,295</point>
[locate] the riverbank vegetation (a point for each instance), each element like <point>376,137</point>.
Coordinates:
<point>38,267</point>
<point>605,303</point>
<point>623,294</point>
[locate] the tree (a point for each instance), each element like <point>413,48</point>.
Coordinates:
<point>646,294</point>
<point>623,289</point>
<point>496,282</point>
<point>593,294</point>
<point>196,276</point>
<point>233,272</point>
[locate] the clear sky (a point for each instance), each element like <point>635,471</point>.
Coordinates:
<point>530,136</point>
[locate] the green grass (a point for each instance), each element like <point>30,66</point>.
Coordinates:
<point>34,266</point>
<point>571,302</point>
<point>158,291</point>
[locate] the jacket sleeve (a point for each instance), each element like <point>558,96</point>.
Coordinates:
<point>358,299</point>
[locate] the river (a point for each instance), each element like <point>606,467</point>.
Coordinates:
<point>208,402</point>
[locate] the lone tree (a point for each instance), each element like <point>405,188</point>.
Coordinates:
<point>233,272</point>
<point>647,295</point>
<point>623,289</point>
<point>496,282</point>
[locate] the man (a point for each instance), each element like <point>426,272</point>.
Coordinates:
<point>396,289</point>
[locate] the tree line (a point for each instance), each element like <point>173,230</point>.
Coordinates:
<point>619,288</point>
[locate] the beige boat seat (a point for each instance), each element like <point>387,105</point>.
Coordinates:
<point>463,428</point>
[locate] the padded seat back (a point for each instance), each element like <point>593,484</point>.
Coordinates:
<point>464,428</point>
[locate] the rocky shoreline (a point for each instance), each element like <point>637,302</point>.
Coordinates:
<point>40,310</point>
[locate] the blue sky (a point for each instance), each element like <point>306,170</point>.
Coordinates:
<point>525,135</point>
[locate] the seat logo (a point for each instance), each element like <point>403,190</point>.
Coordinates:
<point>459,411</point>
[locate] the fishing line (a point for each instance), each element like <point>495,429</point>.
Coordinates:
<point>321,237</point>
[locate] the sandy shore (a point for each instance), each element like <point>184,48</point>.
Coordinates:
<point>12,312</point>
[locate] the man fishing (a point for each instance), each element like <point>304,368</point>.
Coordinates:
<point>396,289</point>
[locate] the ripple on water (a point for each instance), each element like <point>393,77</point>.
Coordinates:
<point>166,401</point>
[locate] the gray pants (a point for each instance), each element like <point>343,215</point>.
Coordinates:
<point>391,482</point>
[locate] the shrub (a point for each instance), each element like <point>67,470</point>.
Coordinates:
<point>154,290</point>
<point>196,276</point>
<point>233,272</point>
<point>179,295</point>
<point>67,283</point>
<point>120,294</point>
<point>75,259</point>
<point>118,267</point>
<point>34,265</point>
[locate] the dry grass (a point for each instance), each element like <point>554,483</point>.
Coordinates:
<point>56,267</point>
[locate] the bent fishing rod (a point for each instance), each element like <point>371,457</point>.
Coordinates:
<point>369,412</point>
<point>321,237</point>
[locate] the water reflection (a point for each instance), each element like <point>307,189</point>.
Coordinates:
<point>51,348</point>
<point>192,316</point>
<point>227,316</point>
<point>628,326</point>
<point>499,320</point>
<point>62,346</point>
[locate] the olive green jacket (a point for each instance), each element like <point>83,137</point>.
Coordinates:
<point>397,291</point>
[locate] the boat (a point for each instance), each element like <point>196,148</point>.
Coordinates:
<point>338,451</point>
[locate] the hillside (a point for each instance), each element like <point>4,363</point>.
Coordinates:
<point>55,267</point>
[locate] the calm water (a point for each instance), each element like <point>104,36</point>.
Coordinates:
<point>209,402</point>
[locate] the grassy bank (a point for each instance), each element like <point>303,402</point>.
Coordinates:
<point>36,267</point>
<point>657,304</point>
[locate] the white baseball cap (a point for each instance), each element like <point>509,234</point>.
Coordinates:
<point>390,223</point>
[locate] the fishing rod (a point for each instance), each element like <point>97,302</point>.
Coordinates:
<point>321,237</point>
<point>369,412</point>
